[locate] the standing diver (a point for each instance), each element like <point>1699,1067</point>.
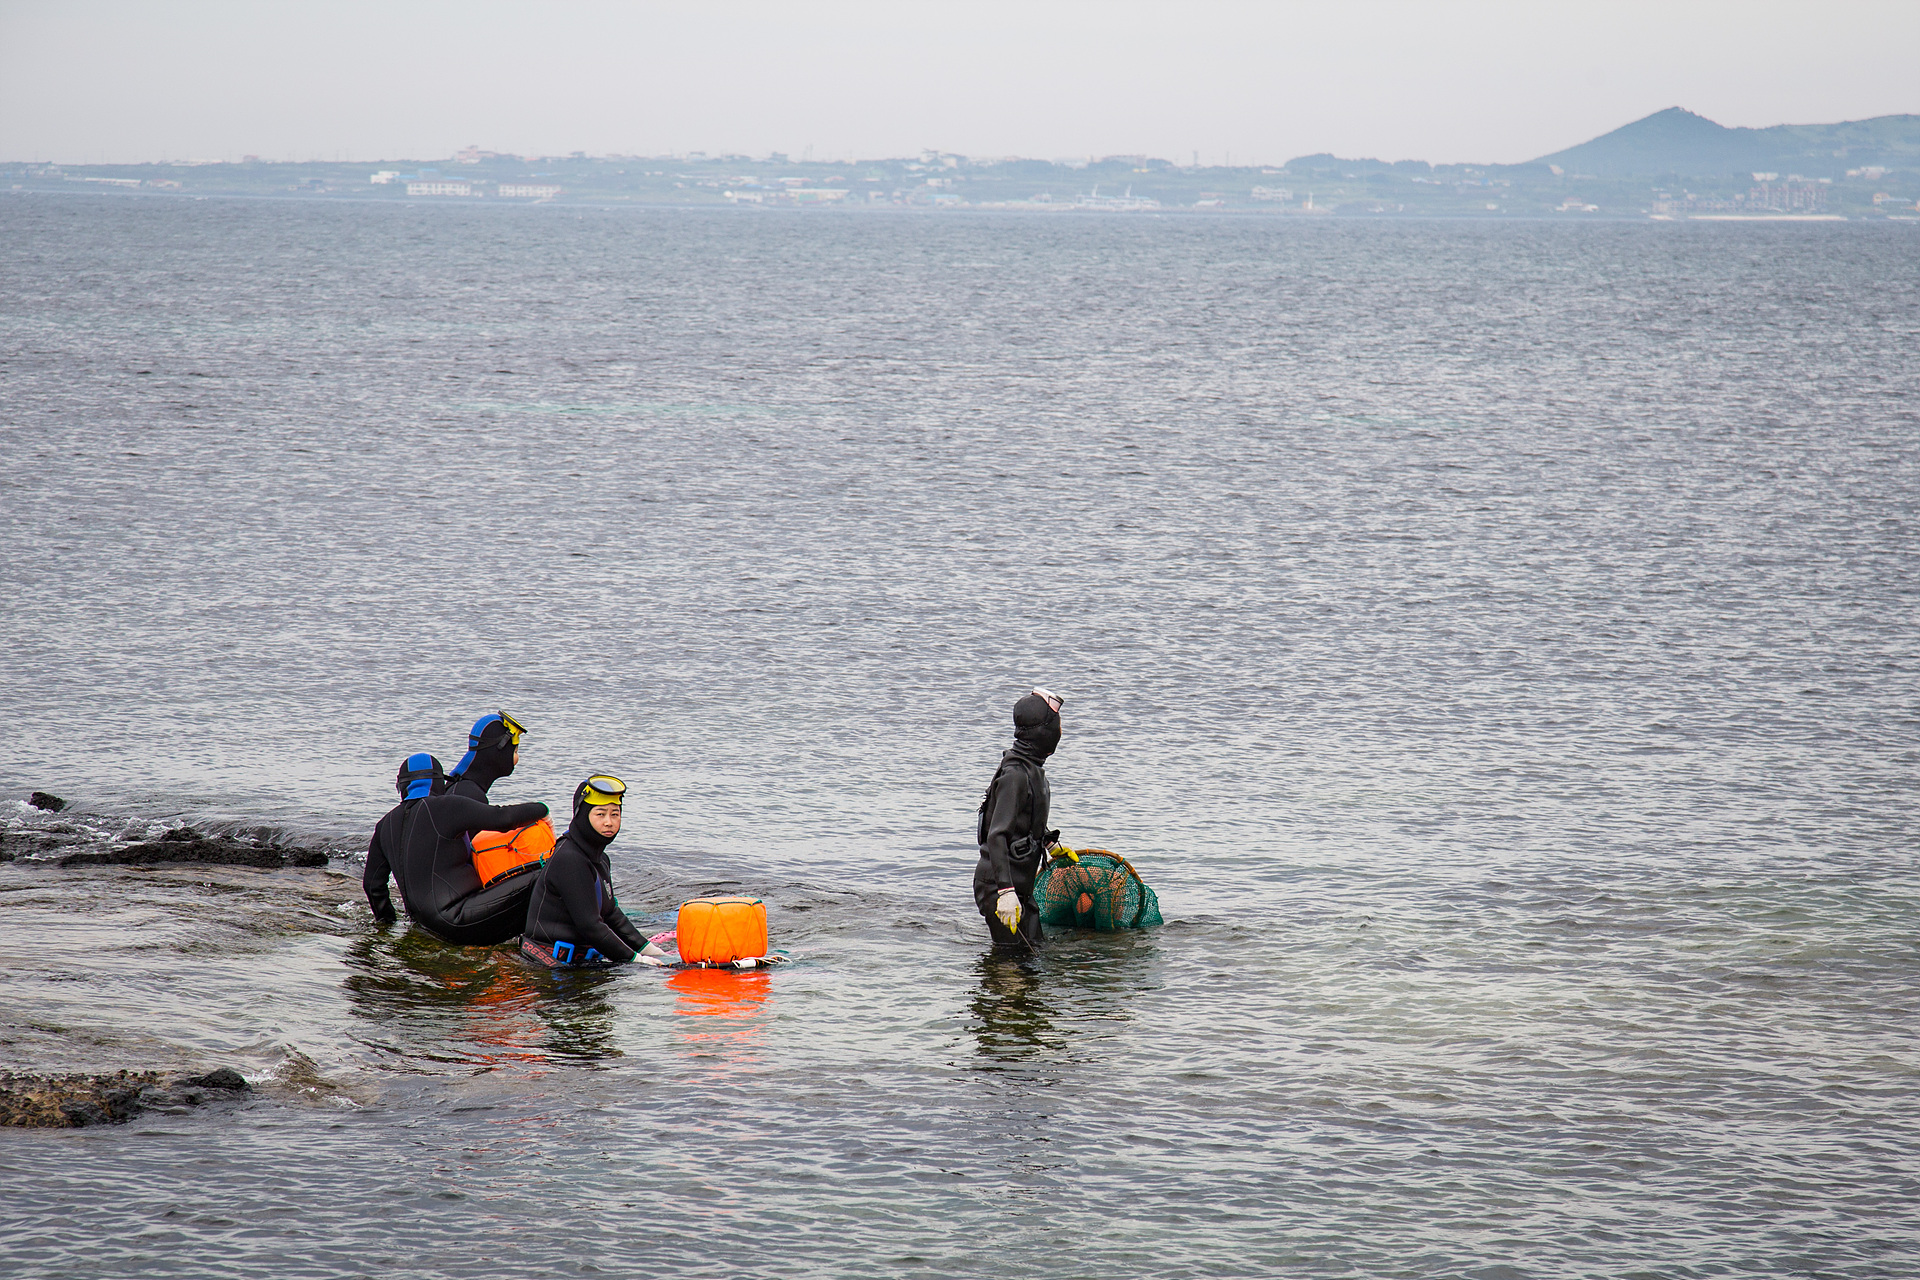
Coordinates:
<point>420,776</point>
<point>442,890</point>
<point>573,918</point>
<point>1013,834</point>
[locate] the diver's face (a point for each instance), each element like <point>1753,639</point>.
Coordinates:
<point>605,818</point>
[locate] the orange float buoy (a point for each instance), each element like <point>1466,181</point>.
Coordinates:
<point>721,930</point>
<point>499,854</point>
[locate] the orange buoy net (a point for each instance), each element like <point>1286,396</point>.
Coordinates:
<point>721,930</point>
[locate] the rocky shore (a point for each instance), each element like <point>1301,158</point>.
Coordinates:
<point>184,844</point>
<point>75,1101</point>
<point>67,845</point>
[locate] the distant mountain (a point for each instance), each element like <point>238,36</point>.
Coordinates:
<point>1678,143</point>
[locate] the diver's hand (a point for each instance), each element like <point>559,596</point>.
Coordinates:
<point>1061,853</point>
<point>1008,910</point>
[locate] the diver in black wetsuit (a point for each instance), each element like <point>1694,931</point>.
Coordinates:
<point>438,883</point>
<point>573,918</point>
<point>420,776</point>
<point>1013,834</point>
<point>493,749</point>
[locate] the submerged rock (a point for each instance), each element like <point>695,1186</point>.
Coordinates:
<point>75,1101</point>
<point>42,800</point>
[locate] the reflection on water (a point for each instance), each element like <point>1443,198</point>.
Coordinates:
<point>1055,1000</point>
<point>728,1008</point>
<point>488,999</point>
<point>1012,1019</point>
<point>577,1007</point>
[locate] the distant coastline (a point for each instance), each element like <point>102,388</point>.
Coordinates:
<point>1670,166</point>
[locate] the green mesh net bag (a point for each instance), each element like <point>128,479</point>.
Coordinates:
<point>1101,891</point>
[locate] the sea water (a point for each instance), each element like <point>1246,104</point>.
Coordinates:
<point>1494,641</point>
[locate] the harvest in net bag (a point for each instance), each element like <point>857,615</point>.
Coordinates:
<point>1093,889</point>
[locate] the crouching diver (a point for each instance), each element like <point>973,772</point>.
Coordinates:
<point>420,776</point>
<point>573,918</point>
<point>438,882</point>
<point>1012,833</point>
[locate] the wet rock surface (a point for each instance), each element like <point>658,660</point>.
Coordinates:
<point>79,838</point>
<point>28,844</point>
<point>76,1101</point>
<point>184,844</point>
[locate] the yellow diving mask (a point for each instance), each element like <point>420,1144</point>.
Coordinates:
<point>602,788</point>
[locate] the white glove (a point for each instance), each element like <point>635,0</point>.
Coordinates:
<point>1008,909</point>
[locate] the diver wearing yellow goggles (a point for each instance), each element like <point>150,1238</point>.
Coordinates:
<point>573,917</point>
<point>493,749</point>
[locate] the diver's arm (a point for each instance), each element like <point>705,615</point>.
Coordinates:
<point>578,884</point>
<point>459,813</point>
<point>617,921</point>
<point>374,881</point>
<point>1009,800</point>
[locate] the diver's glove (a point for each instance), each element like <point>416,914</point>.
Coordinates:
<point>1060,853</point>
<point>1008,910</point>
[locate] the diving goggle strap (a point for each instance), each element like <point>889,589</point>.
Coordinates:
<point>603,788</point>
<point>1053,700</point>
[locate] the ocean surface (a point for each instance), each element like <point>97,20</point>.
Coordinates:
<point>1496,643</point>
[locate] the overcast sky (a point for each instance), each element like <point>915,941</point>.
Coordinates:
<point>1489,80</point>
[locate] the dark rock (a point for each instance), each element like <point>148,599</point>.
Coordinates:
<point>24,844</point>
<point>51,803</point>
<point>75,1101</point>
<point>185,845</point>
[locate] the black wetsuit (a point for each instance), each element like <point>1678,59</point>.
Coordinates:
<point>1013,838</point>
<point>383,854</point>
<point>489,764</point>
<point>573,900</point>
<point>438,883</point>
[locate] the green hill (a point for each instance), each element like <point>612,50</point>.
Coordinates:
<point>1678,143</point>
